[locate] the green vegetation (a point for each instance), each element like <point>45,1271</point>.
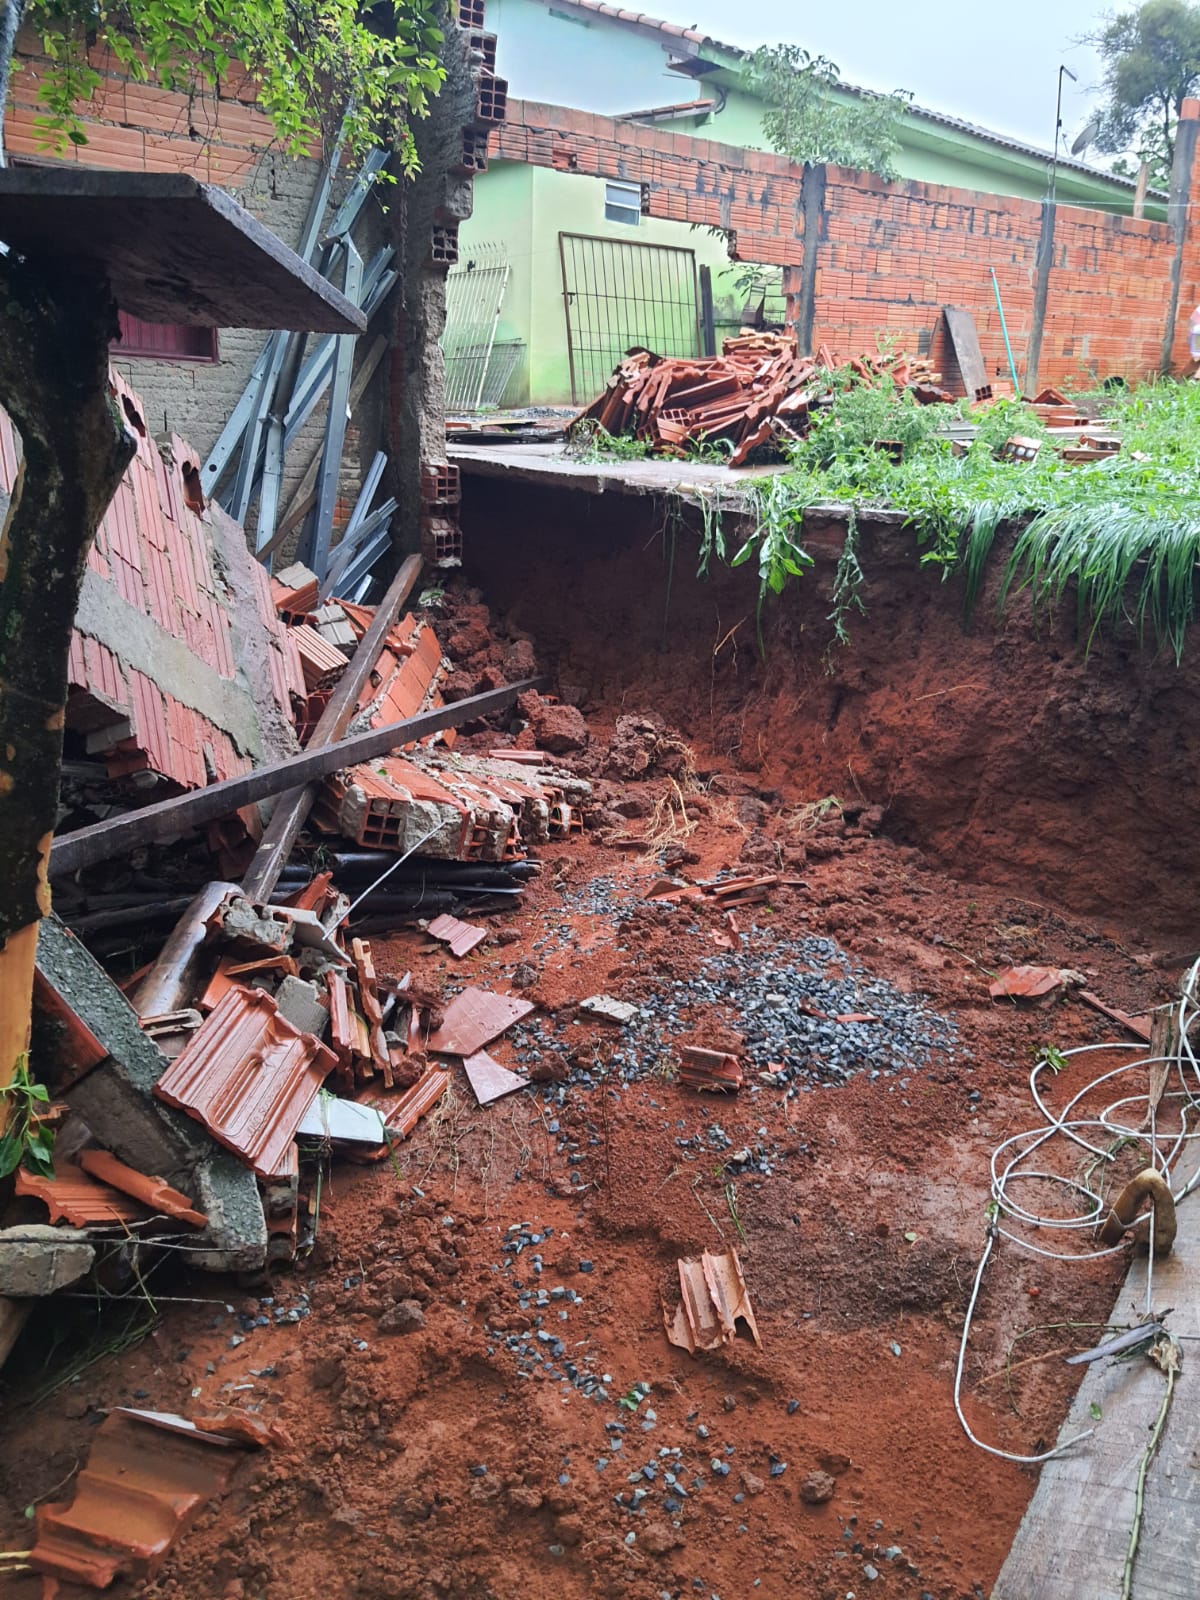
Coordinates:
<point>811,116</point>
<point>1151,56</point>
<point>1123,533</point>
<point>26,1140</point>
<point>318,65</point>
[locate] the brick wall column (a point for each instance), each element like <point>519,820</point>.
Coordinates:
<point>1043,264</point>
<point>812,201</point>
<point>1183,216</point>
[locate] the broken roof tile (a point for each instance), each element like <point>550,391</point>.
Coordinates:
<point>490,1079</point>
<point>72,1196</point>
<point>152,1192</point>
<point>401,1112</point>
<point>473,1019</point>
<point>710,1069</point>
<point>462,937</point>
<point>249,1076</point>
<point>144,1482</point>
<point>714,1301</point>
<point>1026,983</point>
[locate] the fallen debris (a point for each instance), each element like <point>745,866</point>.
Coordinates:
<point>37,1260</point>
<point>714,1301</point>
<point>147,1479</point>
<point>152,1192</point>
<point>70,1195</point>
<point>346,1121</point>
<point>757,393</point>
<point>1138,1026</point>
<point>473,1019</point>
<point>1033,984</point>
<point>714,1070</point>
<point>489,1079</point>
<point>462,937</point>
<point>249,1076</point>
<point>608,1009</point>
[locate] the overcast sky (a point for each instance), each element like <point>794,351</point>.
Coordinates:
<point>992,63</point>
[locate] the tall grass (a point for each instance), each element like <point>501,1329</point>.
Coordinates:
<point>1122,534</point>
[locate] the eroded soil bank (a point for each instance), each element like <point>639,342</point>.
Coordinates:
<point>1001,804</point>
<point>1005,750</point>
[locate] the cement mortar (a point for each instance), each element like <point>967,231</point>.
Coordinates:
<point>169,662</point>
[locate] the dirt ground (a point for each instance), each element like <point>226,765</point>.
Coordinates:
<point>531,1432</point>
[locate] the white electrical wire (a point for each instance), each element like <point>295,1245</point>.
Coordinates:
<point>1118,1120</point>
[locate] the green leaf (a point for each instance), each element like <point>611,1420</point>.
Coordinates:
<point>1095,1411</point>
<point>11,1151</point>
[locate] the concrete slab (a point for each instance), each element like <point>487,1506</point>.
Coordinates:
<point>700,482</point>
<point>550,464</point>
<point>36,1259</point>
<point>1074,1537</point>
<point>116,1102</point>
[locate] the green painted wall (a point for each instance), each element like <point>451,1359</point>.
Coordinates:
<point>528,208</point>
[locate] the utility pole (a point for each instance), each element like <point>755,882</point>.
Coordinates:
<point>1058,131</point>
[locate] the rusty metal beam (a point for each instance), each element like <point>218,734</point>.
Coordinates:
<point>170,819</point>
<point>292,808</point>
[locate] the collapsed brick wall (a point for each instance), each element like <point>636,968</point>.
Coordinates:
<point>1084,292</point>
<point>452,145</point>
<point>179,669</point>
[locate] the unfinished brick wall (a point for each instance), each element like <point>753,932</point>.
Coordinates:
<point>1084,292</point>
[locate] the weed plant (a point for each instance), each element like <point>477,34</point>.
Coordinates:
<point>1122,534</point>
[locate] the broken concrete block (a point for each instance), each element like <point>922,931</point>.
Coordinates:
<point>116,1102</point>
<point>36,1260</point>
<point>300,1003</point>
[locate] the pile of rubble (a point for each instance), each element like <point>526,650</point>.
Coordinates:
<point>178,1104</point>
<point>758,392</point>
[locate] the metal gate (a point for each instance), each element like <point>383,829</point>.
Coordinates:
<point>475,291</point>
<point>618,293</point>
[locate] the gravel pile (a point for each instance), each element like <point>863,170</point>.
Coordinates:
<point>768,991</point>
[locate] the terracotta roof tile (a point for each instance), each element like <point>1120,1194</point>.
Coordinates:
<point>143,1484</point>
<point>249,1076</point>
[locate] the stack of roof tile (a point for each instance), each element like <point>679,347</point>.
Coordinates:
<point>758,390</point>
<point>155,549</point>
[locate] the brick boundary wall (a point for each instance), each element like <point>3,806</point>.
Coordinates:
<point>1085,292</point>
<point>142,127</point>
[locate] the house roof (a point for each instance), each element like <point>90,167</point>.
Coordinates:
<point>674,32</point>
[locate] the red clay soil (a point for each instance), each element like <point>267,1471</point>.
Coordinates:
<point>1006,751</point>
<point>858,1249</point>
<point>423,1461</point>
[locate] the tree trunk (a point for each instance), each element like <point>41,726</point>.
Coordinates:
<point>55,328</point>
<point>10,24</point>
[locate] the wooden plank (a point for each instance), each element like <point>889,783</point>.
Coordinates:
<point>293,807</point>
<point>172,249</point>
<point>964,336</point>
<point>170,819</point>
<point>1072,1542</point>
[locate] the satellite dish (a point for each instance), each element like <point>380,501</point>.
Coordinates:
<point>1086,137</point>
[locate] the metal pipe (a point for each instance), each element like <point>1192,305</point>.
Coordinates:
<point>1012,365</point>
<point>383,876</point>
<point>169,983</point>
